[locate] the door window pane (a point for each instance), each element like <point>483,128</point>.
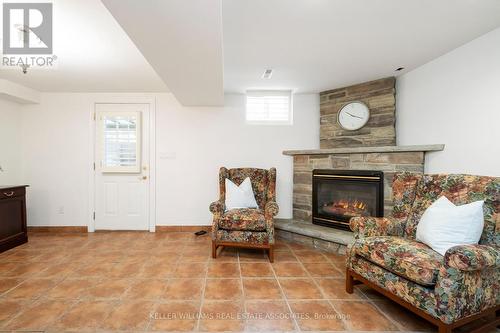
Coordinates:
<point>121,140</point>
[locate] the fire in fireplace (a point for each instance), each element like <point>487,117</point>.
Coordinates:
<point>339,195</point>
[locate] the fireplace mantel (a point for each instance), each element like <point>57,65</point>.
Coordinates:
<point>362,150</point>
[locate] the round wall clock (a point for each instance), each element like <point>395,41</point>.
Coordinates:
<point>353,116</point>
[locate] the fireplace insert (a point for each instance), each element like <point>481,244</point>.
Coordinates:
<point>339,195</point>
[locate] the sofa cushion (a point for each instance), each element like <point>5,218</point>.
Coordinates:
<point>245,219</point>
<point>405,257</point>
<point>459,189</point>
<point>238,236</point>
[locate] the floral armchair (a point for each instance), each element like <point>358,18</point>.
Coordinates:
<point>448,291</point>
<point>246,227</point>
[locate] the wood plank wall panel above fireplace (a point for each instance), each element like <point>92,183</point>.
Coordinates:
<point>379,96</point>
<point>389,163</point>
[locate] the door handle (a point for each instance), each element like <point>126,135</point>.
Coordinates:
<point>143,178</point>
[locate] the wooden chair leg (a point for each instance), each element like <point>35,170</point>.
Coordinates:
<point>444,328</point>
<point>349,282</point>
<point>214,249</point>
<point>271,253</point>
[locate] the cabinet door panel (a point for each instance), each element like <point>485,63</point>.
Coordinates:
<point>11,217</point>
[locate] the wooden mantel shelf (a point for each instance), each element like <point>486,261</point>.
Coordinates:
<point>361,150</point>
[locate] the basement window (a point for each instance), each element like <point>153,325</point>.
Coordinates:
<point>269,107</point>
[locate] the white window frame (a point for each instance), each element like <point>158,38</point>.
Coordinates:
<point>264,93</point>
<point>100,142</point>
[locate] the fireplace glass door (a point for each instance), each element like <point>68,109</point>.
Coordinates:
<point>340,195</point>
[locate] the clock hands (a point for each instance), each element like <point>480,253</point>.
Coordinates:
<point>352,115</point>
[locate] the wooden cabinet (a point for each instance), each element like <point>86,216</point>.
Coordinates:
<point>13,230</point>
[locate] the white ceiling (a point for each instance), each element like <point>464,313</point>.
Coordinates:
<point>315,45</point>
<point>182,40</point>
<point>201,48</point>
<point>94,55</point>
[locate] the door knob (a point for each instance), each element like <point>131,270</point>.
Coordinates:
<point>143,178</point>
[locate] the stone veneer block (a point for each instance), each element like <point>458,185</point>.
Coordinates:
<point>379,96</point>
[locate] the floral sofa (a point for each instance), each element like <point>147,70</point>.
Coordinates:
<point>448,291</point>
<point>252,228</point>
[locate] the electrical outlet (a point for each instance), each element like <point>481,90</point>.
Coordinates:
<point>60,210</point>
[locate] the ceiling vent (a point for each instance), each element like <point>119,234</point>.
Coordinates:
<point>267,74</point>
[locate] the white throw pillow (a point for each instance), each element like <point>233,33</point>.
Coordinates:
<point>240,196</point>
<point>444,225</point>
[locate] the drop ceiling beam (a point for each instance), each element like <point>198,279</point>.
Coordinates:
<point>182,41</point>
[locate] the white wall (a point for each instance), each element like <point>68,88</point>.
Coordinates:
<point>191,144</point>
<point>10,143</point>
<point>455,100</point>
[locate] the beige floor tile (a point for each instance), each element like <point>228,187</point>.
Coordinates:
<point>108,288</point>
<point>264,316</point>
<point>183,289</point>
<point>300,289</point>
<point>256,269</point>
<point>226,254</point>
<point>84,315</point>
<point>223,270</point>
<point>129,316</point>
<point>406,319</point>
<point>72,288</point>
<point>284,257</point>
<point>363,316</point>
<point>223,289</point>
<point>146,289</point>
<point>175,316</point>
<point>190,270</point>
<point>281,246</point>
<point>92,269</point>
<point>335,289</point>
<point>195,257</point>
<point>157,270</point>
<point>125,269</point>
<point>10,308</point>
<point>39,316</point>
<point>31,288</point>
<point>310,256</point>
<point>225,316</point>
<point>26,269</point>
<point>8,283</point>
<point>261,289</point>
<point>323,270</point>
<point>316,316</point>
<point>289,269</point>
<point>253,255</point>
<point>298,246</point>
<point>60,270</point>
<point>7,267</point>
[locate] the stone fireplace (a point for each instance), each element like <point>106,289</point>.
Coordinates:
<point>371,150</point>
<point>338,195</point>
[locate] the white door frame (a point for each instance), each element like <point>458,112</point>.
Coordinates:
<point>152,156</point>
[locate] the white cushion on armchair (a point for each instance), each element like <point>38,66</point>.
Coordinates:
<point>240,196</point>
<point>444,225</point>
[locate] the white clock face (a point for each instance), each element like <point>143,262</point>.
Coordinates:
<point>353,116</point>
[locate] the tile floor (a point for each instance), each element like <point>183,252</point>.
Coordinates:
<point>135,281</point>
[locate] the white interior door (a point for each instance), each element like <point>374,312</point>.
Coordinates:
<point>122,167</point>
